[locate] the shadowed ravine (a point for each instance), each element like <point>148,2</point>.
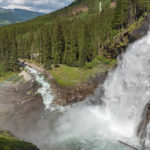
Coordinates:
<point>101,121</point>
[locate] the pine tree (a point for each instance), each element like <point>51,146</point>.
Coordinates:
<point>47,49</point>
<point>58,45</point>
<point>121,14</point>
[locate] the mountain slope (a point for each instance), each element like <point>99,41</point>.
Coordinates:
<point>80,7</point>
<point>75,36</point>
<point>8,16</point>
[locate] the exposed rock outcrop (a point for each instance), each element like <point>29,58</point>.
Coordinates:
<point>141,31</point>
<point>26,76</point>
<point>77,10</point>
<point>70,95</point>
<point>113,4</point>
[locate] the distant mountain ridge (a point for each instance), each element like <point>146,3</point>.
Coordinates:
<point>9,16</point>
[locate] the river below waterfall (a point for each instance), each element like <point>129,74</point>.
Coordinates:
<point>116,116</point>
<point>44,90</point>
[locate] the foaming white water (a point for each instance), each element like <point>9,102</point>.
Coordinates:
<point>126,92</point>
<point>100,127</point>
<point>127,89</point>
<point>45,87</point>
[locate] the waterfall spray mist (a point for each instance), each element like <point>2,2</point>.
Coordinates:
<point>126,92</point>
<point>116,116</point>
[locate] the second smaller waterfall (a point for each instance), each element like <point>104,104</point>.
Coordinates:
<point>44,90</point>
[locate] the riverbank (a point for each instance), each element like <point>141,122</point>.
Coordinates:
<point>69,94</point>
<point>73,84</point>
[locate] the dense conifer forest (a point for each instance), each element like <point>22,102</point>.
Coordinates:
<point>71,36</point>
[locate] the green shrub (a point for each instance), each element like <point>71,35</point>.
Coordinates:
<point>92,64</point>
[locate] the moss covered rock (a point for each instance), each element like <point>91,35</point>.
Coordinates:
<point>118,44</point>
<point>9,142</point>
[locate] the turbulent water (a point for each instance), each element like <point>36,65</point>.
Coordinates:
<point>117,114</point>
<point>45,87</point>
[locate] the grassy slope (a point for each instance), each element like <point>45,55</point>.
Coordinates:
<point>10,76</point>
<point>72,76</point>
<point>8,142</point>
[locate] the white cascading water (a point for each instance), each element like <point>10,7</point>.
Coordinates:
<point>45,87</point>
<point>100,127</point>
<point>126,92</point>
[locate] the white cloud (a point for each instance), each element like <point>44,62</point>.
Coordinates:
<point>18,7</point>
<point>35,5</point>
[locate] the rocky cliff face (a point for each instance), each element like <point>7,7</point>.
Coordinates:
<point>141,31</point>
<point>142,128</point>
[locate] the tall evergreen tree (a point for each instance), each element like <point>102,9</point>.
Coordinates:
<point>58,45</point>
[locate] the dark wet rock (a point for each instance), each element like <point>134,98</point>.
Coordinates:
<point>70,95</point>
<point>99,78</point>
<point>142,31</point>
<point>142,128</point>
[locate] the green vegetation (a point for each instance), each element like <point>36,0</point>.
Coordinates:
<point>71,37</point>
<point>8,142</point>
<point>4,74</point>
<point>8,75</point>
<point>71,76</point>
<point>58,38</point>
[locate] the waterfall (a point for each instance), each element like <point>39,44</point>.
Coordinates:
<point>114,118</point>
<point>126,93</point>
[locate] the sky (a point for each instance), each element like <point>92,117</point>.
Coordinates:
<point>44,6</point>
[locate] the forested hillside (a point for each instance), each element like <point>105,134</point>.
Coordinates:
<point>72,36</point>
<point>9,16</point>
